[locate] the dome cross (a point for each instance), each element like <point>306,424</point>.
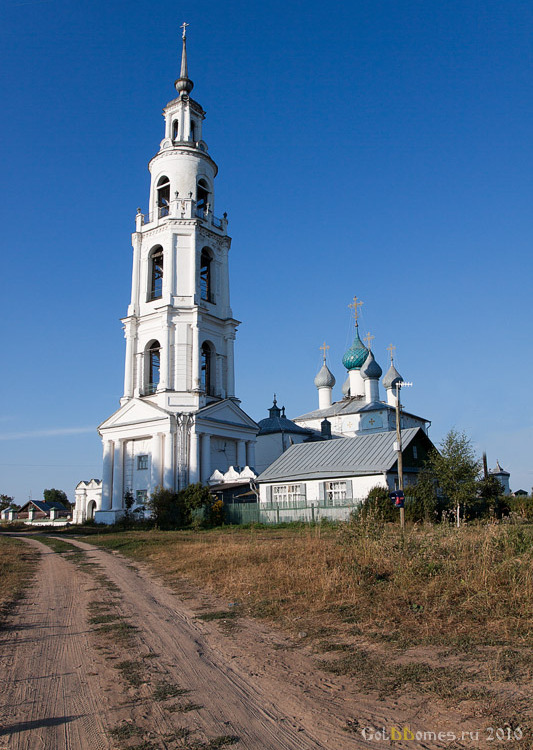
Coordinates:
<point>355,305</point>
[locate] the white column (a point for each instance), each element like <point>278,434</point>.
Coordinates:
<point>186,122</point>
<point>168,470</point>
<point>206,458</point>
<point>195,359</point>
<point>165,359</point>
<point>194,463</point>
<point>118,475</point>
<point>130,362</point>
<point>250,453</point>
<point>135,276</point>
<point>357,386</point>
<point>171,273</point>
<point>155,474</point>
<point>230,385</point>
<point>107,475</point>
<point>219,387</point>
<point>241,454</point>
<point>324,398</point>
<point>140,384</point>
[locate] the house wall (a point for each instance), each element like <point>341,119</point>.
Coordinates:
<point>311,504</point>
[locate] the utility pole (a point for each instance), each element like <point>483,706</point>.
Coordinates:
<point>399,385</point>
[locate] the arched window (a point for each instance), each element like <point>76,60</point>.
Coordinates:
<point>206,281</point>
<point>175,129</point>
<point>202,197</point>
<point>154,361</point>
<point>206,369</point>
<point>193,130</point>
<point>163,196</point>
<point>156,273</point>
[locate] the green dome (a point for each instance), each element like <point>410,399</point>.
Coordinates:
<point>356,354</point>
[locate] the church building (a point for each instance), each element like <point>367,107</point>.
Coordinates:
<point>361,410</point>
<point>179,418</point>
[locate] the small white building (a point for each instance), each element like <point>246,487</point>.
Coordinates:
<point>327,479</point>
<point>88,496</point>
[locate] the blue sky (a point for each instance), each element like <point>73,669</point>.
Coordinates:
<point>380,149</point>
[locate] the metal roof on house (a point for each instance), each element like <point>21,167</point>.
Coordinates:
<point>352,456</point>
<point>353,406</point>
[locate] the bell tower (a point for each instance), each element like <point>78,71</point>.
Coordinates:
<point>179,328</point>
<point>179,418</point>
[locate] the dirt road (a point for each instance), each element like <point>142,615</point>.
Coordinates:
<point>148,670</point>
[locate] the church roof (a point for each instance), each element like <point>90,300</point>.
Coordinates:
<point>352,456</point>
<point>278,422</point>
<point>352,406</point>
<point>392,377</point>
<point>371,370</point>
<point>498,470</point>
<point>356,354</point>
<point>325,378</point>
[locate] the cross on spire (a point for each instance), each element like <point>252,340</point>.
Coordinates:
<point>368,340</point>
<point>391,350</point>
<point>355,305</point>
<point>324,347</point>
<point>184,28</point>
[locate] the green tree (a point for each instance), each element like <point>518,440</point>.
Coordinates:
<point>56,496</point>
<point>377,506</point>
<point>128,505</point>
<point>173,509</point>
<point>456,469</point>
<point>7,502</point>
<point>490,491</point>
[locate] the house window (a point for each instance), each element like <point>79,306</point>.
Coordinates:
<point>163,196</point>
<point>285,493</point>
<point>206,369</point>
<point>205,276</point>
<point>141,496</point>
<point>415,452</point>
<point>335,492</point>
<point>156,273</point>
<point>154,361</point>
<point>174,130</point>
<point>142,462</point>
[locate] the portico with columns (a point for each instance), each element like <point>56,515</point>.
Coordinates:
<point>179,418</point>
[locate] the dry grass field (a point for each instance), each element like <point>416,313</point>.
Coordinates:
<point>17,563</point>
<point>459,588</point>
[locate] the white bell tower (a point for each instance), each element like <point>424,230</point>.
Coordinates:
<point>179,418</point>
<point>179,328</point>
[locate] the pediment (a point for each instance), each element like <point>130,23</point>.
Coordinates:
<point>133,412</point>
<point>227,411</point>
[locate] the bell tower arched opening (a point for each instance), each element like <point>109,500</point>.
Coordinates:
<point>163,196</point>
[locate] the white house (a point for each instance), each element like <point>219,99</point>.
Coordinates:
<point>327,479</point>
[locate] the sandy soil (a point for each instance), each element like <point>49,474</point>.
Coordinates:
<point>62,686</point>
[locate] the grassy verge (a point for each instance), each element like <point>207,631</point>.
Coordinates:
<point>17,567</point>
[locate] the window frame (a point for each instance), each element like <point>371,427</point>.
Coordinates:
<point>142,462</point>
<point>335,491</point>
